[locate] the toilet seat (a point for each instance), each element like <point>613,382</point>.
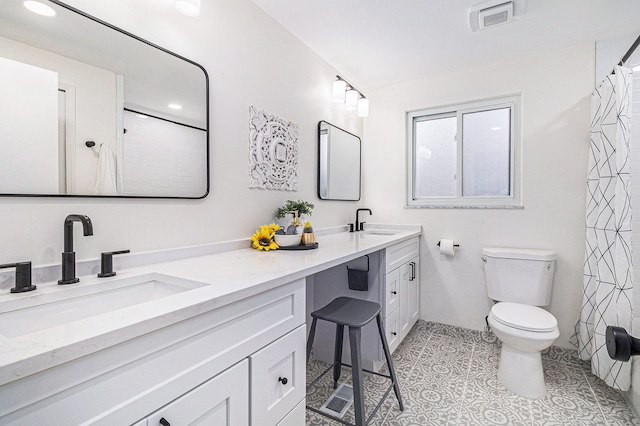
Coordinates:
<point>524,317</point>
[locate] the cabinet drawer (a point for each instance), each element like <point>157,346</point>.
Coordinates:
<point>221,400</point>
<point>391,292</point>
<point>392,330</point>
<point>400,253</point>
<point>278,378</point>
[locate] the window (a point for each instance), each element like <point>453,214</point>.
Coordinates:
<point>465,155</point>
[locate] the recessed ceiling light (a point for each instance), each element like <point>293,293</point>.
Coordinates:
<point>188,7</point>
<point>39,8</point>
<point>175,106</point>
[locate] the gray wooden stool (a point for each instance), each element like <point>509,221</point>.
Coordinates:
<point>353,313</point>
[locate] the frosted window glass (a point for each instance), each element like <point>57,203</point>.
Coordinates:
<point>435,157</point>
<point>486,153</point>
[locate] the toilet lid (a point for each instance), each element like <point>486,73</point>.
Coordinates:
<point>524,317</point>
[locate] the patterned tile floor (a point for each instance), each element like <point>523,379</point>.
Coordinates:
<point>448,377</point>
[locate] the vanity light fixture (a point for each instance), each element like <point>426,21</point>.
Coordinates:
<point>39,8</point>
<point>345,92</point>
<point>188,7</point>
<point>175,106</point>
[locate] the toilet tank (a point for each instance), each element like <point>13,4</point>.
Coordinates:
<point>519,275</point>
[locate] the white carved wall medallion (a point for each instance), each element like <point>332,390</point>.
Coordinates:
<point>273,152</point>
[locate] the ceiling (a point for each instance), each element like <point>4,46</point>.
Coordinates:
<point>376,43</point>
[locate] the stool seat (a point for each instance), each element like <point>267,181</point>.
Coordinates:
<point>353,314</point>
<point>348,311</point>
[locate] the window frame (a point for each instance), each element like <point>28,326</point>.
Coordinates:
<point>514,200</point>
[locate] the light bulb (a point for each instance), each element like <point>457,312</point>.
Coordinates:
<point>352,99</point>
<point>339,89</point>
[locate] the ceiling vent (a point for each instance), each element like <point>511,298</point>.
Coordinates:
<point>494,12</point>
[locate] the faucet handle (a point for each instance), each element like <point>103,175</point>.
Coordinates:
<point>23,276</point>
<point>362,226</point>
<point>106,263</point>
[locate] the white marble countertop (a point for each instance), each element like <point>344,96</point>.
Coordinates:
<point>227,276</point>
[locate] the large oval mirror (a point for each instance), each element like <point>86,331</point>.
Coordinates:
<point>338,163</point>
<point>91,110</point>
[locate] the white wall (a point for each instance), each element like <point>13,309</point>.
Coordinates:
<point>555,91</point>
<point>251,60</point>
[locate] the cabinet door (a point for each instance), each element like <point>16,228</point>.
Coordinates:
<point>413,303</point>
<point>278,378</point>
<point>409,296</point>
<point>392,330</point>
<point>222,400</point>
<point>391,292</point>
<point>405,277</point>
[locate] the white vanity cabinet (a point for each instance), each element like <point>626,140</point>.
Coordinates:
<point>401,289</point>
<point>219,366</point>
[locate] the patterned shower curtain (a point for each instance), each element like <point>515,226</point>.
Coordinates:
<point>607,292</point>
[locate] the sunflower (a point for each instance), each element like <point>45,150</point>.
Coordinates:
<point>263,238</point>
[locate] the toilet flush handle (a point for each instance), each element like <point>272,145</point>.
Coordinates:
<point>484,259</point>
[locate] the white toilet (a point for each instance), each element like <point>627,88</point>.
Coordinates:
<point>520,280</point>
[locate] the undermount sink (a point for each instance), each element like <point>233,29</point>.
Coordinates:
<point>382,232</point>
<point>65,305</point>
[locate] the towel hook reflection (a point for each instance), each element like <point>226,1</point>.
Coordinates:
<point>92,145</point>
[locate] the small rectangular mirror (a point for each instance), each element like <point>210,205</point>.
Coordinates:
<point>339,163</point>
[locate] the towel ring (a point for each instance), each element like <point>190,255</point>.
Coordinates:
<point>367,256</point>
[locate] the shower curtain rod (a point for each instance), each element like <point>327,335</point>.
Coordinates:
<point>632,49</point>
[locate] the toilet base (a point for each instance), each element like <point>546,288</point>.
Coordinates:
<point>521,372</point>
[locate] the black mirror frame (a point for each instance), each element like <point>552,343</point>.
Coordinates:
<point>206,76</point>
<point>359,165</point>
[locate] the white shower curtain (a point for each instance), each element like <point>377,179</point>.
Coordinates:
<point>607,292</point>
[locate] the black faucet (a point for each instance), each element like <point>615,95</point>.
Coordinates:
<point>360,226</point>
<point>69,256</point>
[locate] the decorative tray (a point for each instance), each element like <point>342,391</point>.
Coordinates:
<point>299,247</point>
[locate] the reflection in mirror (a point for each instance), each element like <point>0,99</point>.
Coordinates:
<point>70,78</point>
<point>338,163</point>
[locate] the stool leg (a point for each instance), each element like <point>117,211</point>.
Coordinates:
<point>387,354</point>
<point>312,334</point>
<point>356,371</point>
<point>337,355</point>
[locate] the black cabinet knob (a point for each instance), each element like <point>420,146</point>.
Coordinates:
<point>106,263</point>
<point>394,333</point>
<point>394,292</point>
<point>283,380</point>
<point>23,276</point>
<point>164,422</point>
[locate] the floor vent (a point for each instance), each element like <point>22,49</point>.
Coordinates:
<point>339,401</point>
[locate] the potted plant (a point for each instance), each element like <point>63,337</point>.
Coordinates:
<point>300,206</point>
